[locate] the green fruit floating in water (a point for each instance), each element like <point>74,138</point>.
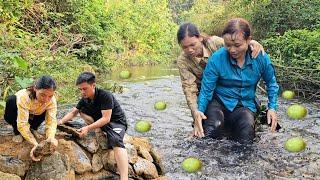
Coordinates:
<point>288,94</point>
<point>160,105</point>
<point>295,144</point>
<point>143,126</point>
<point>191,165</point>
<point>296,111</point>
<point>125,74</point>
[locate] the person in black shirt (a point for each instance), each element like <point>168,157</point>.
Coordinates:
<point>100,109</point>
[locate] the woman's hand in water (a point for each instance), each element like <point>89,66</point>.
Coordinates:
<point>272,118</point>
<point>198,129</point>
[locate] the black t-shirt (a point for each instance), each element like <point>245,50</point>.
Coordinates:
<point>103,100</point>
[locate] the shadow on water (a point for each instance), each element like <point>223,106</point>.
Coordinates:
<point>266,158</point>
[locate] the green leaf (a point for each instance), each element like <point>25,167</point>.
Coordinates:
<point>2,103</point>
<point>19,62</point>
<point>23,82</point>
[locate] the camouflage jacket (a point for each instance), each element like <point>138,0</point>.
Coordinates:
<point>191,70</point>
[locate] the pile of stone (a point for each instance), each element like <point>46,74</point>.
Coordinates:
<point>76,158</point>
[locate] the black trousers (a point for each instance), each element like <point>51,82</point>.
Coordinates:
<point>239,123</point>
<point>11,114</point>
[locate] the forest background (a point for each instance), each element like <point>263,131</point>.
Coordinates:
<point>65,37</point>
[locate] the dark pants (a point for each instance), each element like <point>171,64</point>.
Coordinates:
<point>11,114</point>
<point>115,130</point>
<point>239,123</point>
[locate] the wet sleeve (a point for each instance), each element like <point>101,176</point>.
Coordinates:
<point>269,77</point>
<point>189,85</point>
<point>51,118</point>
<point>22,120</point>
<point>208,84</point>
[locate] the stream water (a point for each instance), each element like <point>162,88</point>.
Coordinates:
<point>266,158</point>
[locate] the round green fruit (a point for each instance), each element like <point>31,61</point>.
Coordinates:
<point>143,126</point>
<point>191,165</point>
<point>160,105</point>
<point>288,94</point>
<point>125,74</point>
<point>295,144</point>
<point>296,111</point>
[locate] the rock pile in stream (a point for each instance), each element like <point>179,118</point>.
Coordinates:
<point>76,158</point>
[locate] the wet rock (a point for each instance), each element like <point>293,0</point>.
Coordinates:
<point>145,154</point>
<point>69,130</point>
<point>78,159</point>
<point>102,139</point>
<point>157,157</point>
<point>97,176</point>
<point>161,178</point>
<point>110,164</point>
<point>6,176</point>
<point>89,142</point>
<point>127,139</point>
<point>97,164</point>
<point>12,165</point>
<point>55,166</point>
<point>44,148</point>
<point>145,169</point>
<point>109,161</point>
<point>132,153</point>
<point>5,128</point>
<point>141,142</point>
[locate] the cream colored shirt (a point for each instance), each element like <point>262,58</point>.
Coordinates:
<point>27,107</point>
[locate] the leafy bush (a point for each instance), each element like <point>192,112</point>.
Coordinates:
<point>274,17</point>
<point>296,56</point>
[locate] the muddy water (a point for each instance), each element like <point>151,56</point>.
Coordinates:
<point>222,159</point>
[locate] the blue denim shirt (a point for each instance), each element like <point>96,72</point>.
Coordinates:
<point>232,84</point>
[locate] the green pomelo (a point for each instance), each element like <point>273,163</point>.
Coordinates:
<point>295,144</point>
<point>125,74</point>
<point>160,105</point>
<point>288,94</point>
<point>143,126</point>
<point>191,165</point>
<point>297,111</point>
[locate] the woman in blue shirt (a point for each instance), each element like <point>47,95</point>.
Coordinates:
<point>229,84</point>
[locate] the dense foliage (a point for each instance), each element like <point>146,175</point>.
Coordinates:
<point>65,37</point>
<point>296,57</point>
<point>275,17</point>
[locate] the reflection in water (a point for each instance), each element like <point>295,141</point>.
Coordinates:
<point>222,159</point>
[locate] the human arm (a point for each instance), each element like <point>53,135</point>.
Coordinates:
<point>189,84</point>
<point>105,119</point>
<point>22,120</point>
<point>256,48</point>
<point>209,79</point>
<point>73,113</point>
<point>269,77</point>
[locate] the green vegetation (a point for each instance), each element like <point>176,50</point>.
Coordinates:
<point>296,57</point>
<point>65,37</point>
